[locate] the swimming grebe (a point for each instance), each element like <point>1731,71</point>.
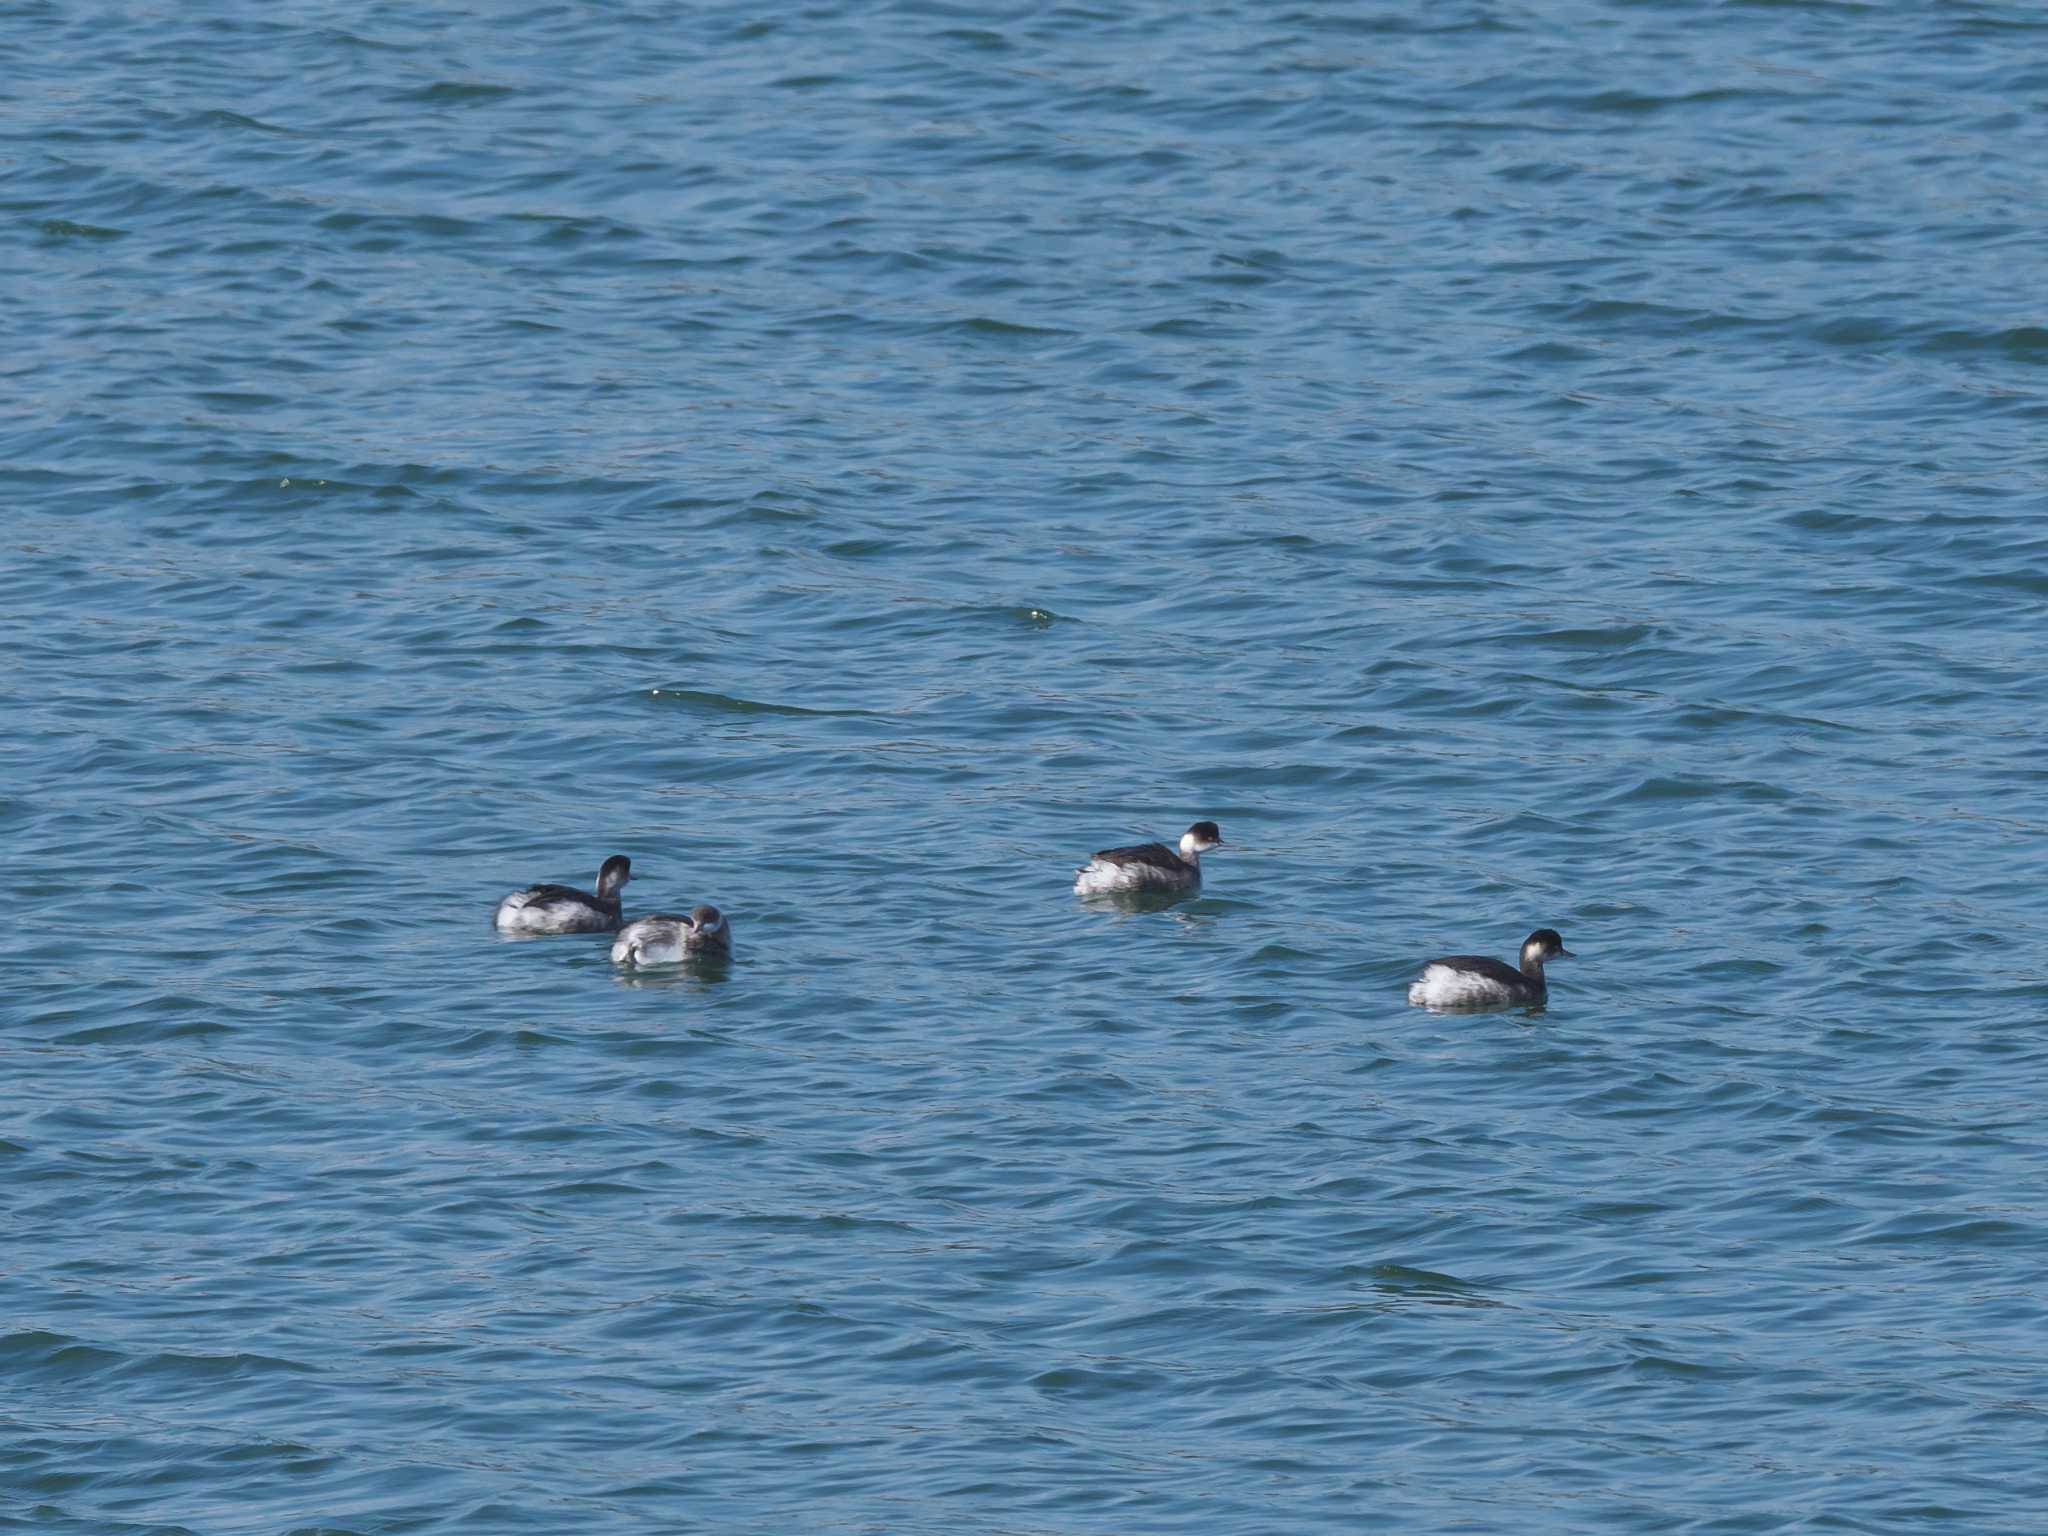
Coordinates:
<point>1150,866</point>
<point>1479,981</point>
<point>563,908</point>
<point>664,938</point>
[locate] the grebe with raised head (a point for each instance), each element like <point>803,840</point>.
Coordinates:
<point>1479,981</point>
<point>563,908</point>
<point>1150,866</point>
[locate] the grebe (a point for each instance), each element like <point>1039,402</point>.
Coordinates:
<point>563,908</point>
<point>1150,866</point>
<point>1479,981</point>
<point>664,938</point>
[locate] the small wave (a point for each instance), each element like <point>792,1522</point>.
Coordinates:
<point>1640,103</point>
<point>1611,637</point>
<point>1078,1382</point>
<point>221,117</point>
<point>54,1356</point>
<point>66,229</point>
<point>380,226</point>
<point>1428,1285</point>
<point>562,229</point>
<point>1658,788</point>
<point>1826,520</point>
<point>190,1366</point>
<point>977,38</point>
<point>1010,615</point>
<point>460,91</point>
<point>985,326</point>
<point>239,400</point>
<point>145,1032</point>
<point>2032,582</point>
<point>1548,352</point>
<point>1856,331</point>
<point>719,703</point>
<point>1684,1370</point>
<point>2021,343</point>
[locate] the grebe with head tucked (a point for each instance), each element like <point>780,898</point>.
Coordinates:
<point>1479,981</point>
<point>662,938</point>
<point>1150,866</point>
<point>563,908</point>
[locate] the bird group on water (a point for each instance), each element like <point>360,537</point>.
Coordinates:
<point>661,938</point>
<point>1145,869</point>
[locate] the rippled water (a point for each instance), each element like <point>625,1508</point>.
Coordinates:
<point>1510,464</point>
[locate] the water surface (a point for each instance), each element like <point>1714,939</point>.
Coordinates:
<point>1512,465</point>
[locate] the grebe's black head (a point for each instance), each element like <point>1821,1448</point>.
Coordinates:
<point>617,870</point>
<point>1201,837</point>
<point>706,918</point>
<point>1544,944</point>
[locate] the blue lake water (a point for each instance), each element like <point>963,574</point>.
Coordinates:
<point>1511,464</point>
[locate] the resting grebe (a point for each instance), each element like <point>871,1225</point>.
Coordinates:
<point>563,908</point>
<point>664,938</point>
<point>1478,981</point>
<point>1150,866</point>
